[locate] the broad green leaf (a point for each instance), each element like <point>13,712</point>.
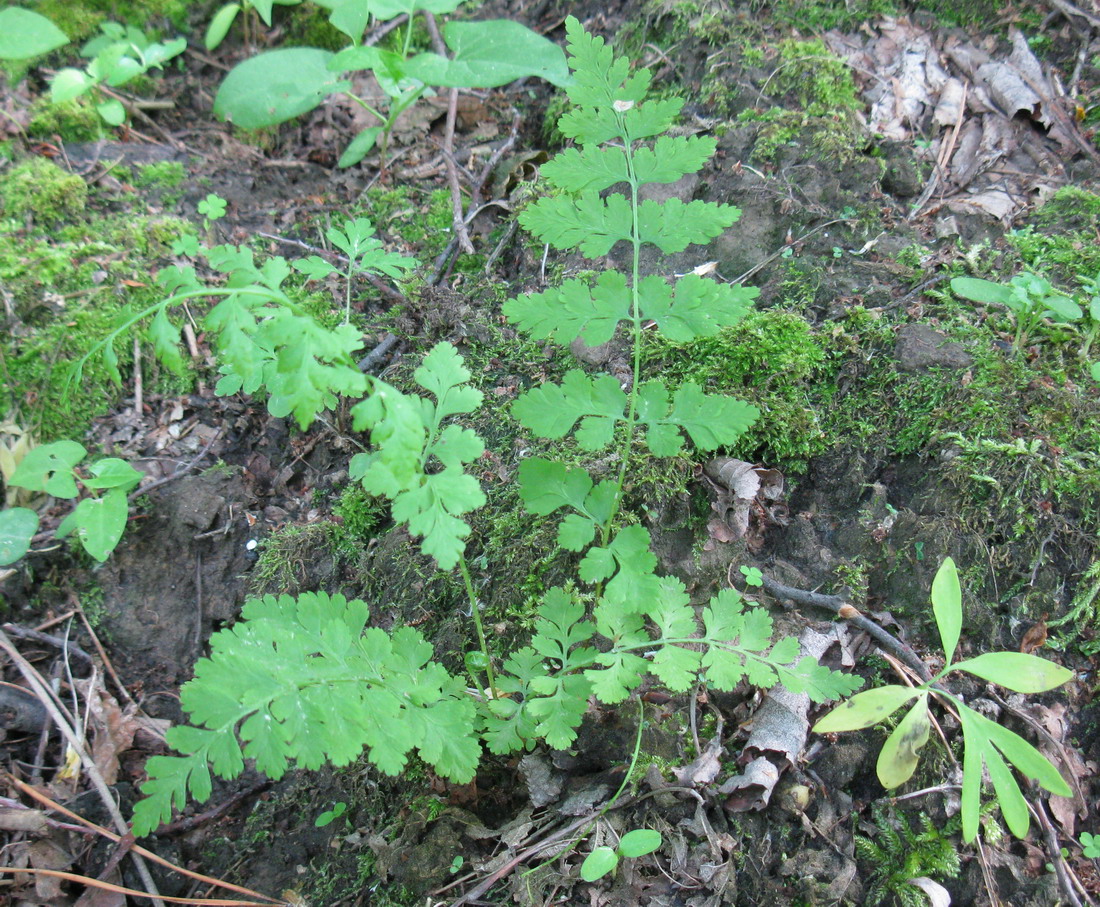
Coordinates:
<point>974,745</point>
<point>639,842</point>
<point>49,468</point>
<point>220,24</point>
<point>947,606</point>
<point>600,862</point>
<point>1011,801</point>
<point>443,374</point>
<point>551,411</point>
<point>1027,759</point>
<point>600,78</point>
<point>1062,308</point>
<point>98,523</point>
<point>488,54</point>
<point>166,342</point>
<point>546,485</point>
<point>276,86</point>
<point>351,17</point>
<point>671,157</point>
<point>865,709</point>
<point>899,756</point>
<point>1017,671</point>
<point>673,225</point>
<point>809,676</point>
<point>575,309</point>
<point>575,532</point>
<point>25,34</point>
<point>978,290</point>
<point>314,267</point>
<point>112,111</point>
<point>111,472</point>
<point>360,146</point>
<point>586,169</point>
<point>69,84</point>
<point>17,527</point>
<point>710,421</point>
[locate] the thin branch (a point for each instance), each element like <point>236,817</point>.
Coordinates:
<point>849,612</point>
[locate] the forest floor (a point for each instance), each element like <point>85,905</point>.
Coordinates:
<point>875,154</point>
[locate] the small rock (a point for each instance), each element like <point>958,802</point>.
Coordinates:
<point>920,347</point>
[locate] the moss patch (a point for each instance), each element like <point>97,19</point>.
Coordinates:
<point>770,359</point>
<point>39,191</point>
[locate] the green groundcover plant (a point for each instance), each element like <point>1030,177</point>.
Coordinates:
<point>278,85</point>
<point>305,680</point>
<point>986,744</point>
<point>115,57</point>
<point>99,518</point>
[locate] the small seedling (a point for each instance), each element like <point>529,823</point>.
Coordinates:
<point>97,521</point>
<point>753,576</point>
<point>1029,297</point>
<point>1090,846</point>
<point>483,54</point>
<point>119,55</point>
<point>605,860</point>
<point>330,815</point>
<point>986,744</point>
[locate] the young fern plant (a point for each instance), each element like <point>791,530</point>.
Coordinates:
<point>303,681</point>
<point>262,336</point>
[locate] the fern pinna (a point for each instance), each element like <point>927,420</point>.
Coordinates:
<point>303,681</point>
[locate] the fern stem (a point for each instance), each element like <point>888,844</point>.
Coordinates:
<point>636,335</point>
<point>476,612</point>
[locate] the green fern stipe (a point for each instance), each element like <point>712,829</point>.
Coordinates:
<point>304,682</point>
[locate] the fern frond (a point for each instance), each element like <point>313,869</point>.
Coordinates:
<point>302,681</point>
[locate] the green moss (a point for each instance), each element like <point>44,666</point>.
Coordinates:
<point>362,514</point>
<point>821,82</point>
<point>897,853</point>
<point>67,293</point>
<point>39,191</point>
<point>769,359</point>
<point>160,175</point>
<point>287,557</point>
<point>72,121</point>
<point>421,218</point>
<point>81,20</point>
<point>821,15</point>
<point>307,25</point>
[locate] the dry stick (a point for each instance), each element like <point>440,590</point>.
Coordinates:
<point>47,639</point>
<point>41,689</point>
<point>844,609</point>
<point>54,806</point>
<point>179,473</point>
<point>1054,851</point>
<point>374,358</point>
<point>138,380</point>
<point>458,222</point>
<point>944,157</point>
<point>108,666</point>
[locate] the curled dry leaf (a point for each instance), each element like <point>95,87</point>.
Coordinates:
<point>779,731</point>
<point>981,108</point>
<point>747,501</point>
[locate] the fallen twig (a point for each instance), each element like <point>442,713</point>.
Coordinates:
<point>849,612</point>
